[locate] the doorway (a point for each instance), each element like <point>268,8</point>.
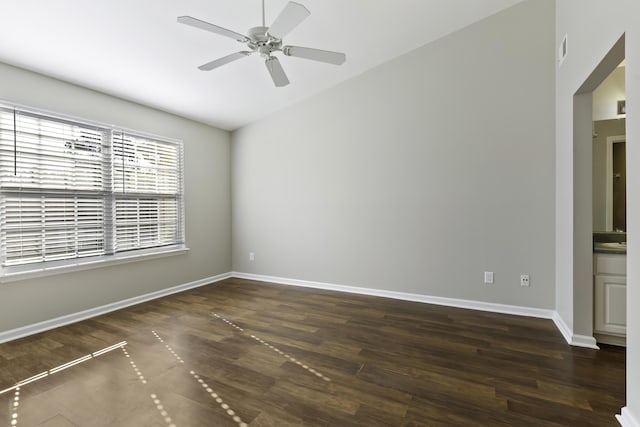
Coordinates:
<point>609,204</point>
<point>583,196</point>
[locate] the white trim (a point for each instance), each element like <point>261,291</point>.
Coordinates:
<point>97,311</point>
<point>78,119</point>
<point>584,341</point>
<point>627,419</point>
<point>571,338</point>
<point>450,302</point>
<point>575,340</point>
<point>562,327</point>
<point>22,272</point>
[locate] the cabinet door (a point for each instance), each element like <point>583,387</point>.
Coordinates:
<point>611,304</point>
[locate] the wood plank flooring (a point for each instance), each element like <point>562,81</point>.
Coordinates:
<point>243,353</point>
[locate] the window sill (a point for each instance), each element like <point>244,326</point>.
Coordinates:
<point>12,274</point>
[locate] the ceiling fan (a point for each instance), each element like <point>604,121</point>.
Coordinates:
<point>268,40</point>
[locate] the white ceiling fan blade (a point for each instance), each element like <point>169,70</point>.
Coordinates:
<point>290,17</point>
<point>188,20</point>
<point>327,56</point>
<point>223,61</point>
<point>277,72</point>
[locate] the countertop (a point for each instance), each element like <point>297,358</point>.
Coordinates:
<point>610,247</point>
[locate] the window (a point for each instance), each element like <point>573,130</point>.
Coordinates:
<point>73,192</point>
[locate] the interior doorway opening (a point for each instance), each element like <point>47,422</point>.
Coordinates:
<point>583,193</point>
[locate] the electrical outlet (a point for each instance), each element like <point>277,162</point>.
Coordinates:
<point>252,256</point>
<point>488,277</point>
<point>524,280</point>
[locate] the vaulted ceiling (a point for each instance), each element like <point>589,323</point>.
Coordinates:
<point>136,50</point>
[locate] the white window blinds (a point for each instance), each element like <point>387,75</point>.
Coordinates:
<point>70,190</point>
<point>147,200</point>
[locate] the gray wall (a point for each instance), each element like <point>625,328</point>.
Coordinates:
<point>207,194</point>
<point>416,176</point>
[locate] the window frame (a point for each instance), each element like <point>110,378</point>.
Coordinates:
<point>108,197</point>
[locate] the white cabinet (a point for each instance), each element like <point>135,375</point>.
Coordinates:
<point>610,297</point>
<point>611,304</point>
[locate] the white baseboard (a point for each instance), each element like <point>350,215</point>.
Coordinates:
<point>562,327</point>
<point>450,302</point>
<point>584,341</point>
<point>93,312</point>
<point>571,338</point>
<point>627,419</point>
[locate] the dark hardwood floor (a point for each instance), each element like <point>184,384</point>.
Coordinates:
<point>242,353</point>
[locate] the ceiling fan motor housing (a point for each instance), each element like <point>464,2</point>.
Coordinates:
<point>261,42</point>
<point>258,34</point>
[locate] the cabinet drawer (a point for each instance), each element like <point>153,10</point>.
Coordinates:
<point>610,264</point>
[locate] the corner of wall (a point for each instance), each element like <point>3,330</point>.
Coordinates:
<point>571,338</point>
<point>627,418</point>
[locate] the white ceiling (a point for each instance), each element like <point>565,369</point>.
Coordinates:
<point>135,49</point>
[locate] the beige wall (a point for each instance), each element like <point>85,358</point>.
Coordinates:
<point>207,194</point>
<point>416,176</point>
